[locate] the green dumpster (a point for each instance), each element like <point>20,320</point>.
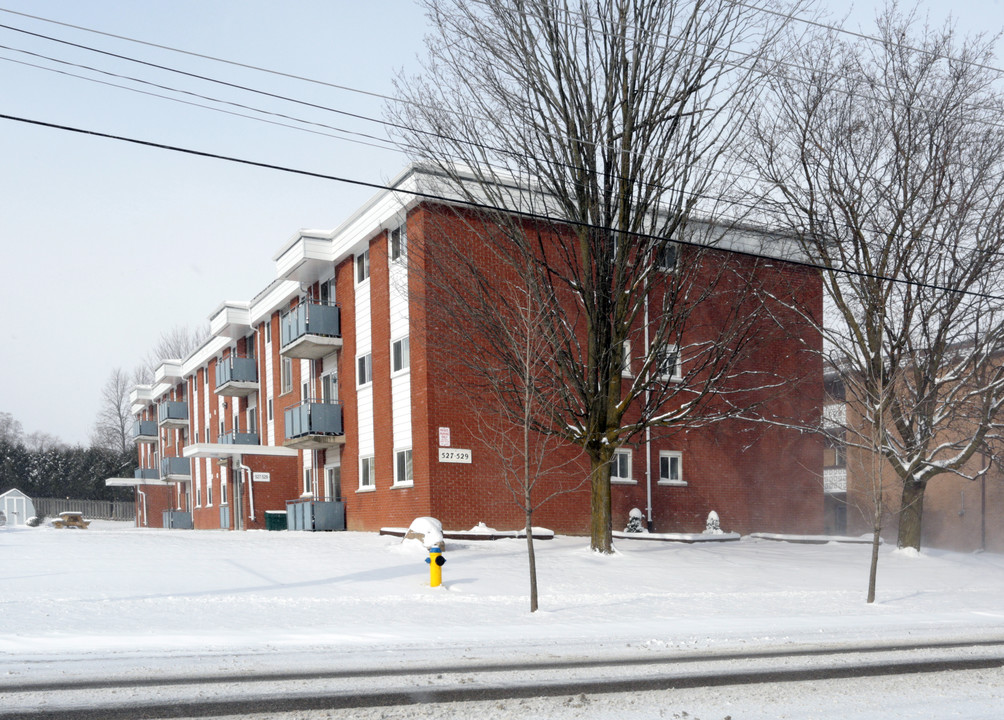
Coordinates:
<point>275,519</point>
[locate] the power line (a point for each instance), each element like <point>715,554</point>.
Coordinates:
<point>482,206</point>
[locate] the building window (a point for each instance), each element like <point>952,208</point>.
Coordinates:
<point>287,375</point>
<point>400,355</point>
<point>363,266</point>
<point>270,416</point>
<point>620,467</point>
<point>668,364</point>
<point>626,359</point>
<point>403,474</point>
<point>671,468</point>
<point>333,482</point>
<point>308,481</point>
<point>268,331</point>
<point>399,243</point>
<point>364,369</point>
<point>198,492</point>
<point>665,256</point>
<point>209,486</point>
<point>223,486</point>
<point>367,479</point>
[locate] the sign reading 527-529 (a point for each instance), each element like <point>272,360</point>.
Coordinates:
<point>454,455</point>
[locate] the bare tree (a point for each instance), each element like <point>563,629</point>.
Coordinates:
<point>11,432</point>
<point>176,343</point>
<point>114,420</point>
<point>613,120</point>
<point>886,161</point>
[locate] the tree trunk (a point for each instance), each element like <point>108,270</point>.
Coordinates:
<point>533,562</point>
<point>601,539</point>
<point>910,513</point>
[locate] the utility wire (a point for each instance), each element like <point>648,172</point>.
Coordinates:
<point>484,206</point>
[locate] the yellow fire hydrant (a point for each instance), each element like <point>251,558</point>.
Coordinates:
<point>436,562</point>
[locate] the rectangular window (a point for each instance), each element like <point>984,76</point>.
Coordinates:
<point>223,486</point>
<point>268,331</point>
<point>270,416</point>
<point>198,492</point>
<point>308,481</point>
<point>671,468</point>
<point>665,256</point>
<point>626,358</point>
<point>400,354</point>
<point>620,467</point>
<point>367,479</point>
<point>287,375</point>
<point>399,243</point>
<point>364,369</point>
<point>333,482</point>
<point>668,364</point>
<point>252,420</point>
<point>363,266</point>
<point>209,485</point>
<point>402,468</point>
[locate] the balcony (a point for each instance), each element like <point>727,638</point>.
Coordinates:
<point>173,414</point>
<point>144,431</point>
<point>146,474</point>
<point>176,468</point>
<point>236,376</point>
<point>311,330</point>
<point>238,438</point>
<point>314,425</point>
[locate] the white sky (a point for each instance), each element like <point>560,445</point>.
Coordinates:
<point>106,245</point>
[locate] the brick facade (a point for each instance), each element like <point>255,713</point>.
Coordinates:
<point>756,476</point>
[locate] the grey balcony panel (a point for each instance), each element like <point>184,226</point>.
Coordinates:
<point>146,474</point>
<point>144,430</point>
<point>172,412</point>
<point>240,370</point>
<point>314,425</point>
<point>310,330</point>
<point>239,438</point>
<point>175,467</point>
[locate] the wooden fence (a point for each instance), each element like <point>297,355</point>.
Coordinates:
<point>92,509</point>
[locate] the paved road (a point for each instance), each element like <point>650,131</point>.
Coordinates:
<point>188,696</point>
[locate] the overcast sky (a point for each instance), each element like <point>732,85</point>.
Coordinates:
<point>105,245</point>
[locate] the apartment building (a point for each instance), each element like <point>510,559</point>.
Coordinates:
<point>322,397</point>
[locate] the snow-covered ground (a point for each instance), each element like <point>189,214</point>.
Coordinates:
<point>115,600</point>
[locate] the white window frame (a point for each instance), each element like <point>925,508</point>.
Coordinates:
<point>626,358</point>
<point>308,482</point>
<point>677,373</point>
<point>621,458</point>
<point>669,456</point>
<point>362,267</point>
<point>367,473</point>
<point>399,243</point>
<point>408,470</point>
<point>285,375</point>
<point>400,355</point>
<point>329,485</point>
<point>224,496</point>
<point>364,369</point>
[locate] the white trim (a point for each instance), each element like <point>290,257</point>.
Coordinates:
<point>680,482</point>
<point>614,464</point>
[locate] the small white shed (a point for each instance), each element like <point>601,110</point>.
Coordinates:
<point>16,507</point>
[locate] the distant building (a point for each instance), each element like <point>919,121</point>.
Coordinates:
<point>959,514</point>
<point>321,396</point>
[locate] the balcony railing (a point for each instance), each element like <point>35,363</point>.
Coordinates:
<point>173,413</point>
<point>236,376</point>
<point>144,431</point>
<point>311,330</point>
<point>146,474</point>
<point>175,468</point>
<point>239,438</point>
<point>314,424</point>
